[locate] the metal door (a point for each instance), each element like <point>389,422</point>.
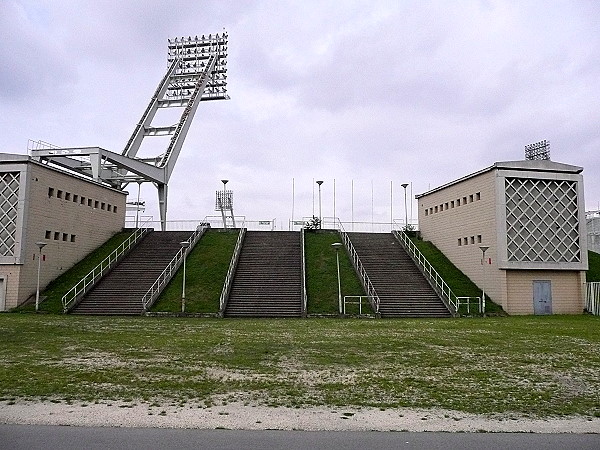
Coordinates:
<point>542,297</point>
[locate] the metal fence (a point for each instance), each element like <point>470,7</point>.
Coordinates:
<point>592,298</point>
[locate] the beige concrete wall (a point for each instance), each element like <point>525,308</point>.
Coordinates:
<point>568,290</point>
<point>474,220</point>
<point>71,229</point>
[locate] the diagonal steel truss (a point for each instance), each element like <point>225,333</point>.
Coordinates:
<point>197,71</point>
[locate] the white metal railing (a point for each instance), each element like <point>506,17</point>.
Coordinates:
<point>469,301</point>
<point>231,271</point>
<point>303,269</point>
<point>592,298</point>
<point>212,221</point>
<point>86,283</point>
<point>435,279</point>
<point>366,282</point>
<point>348,301</point>
<point>152,294</point>
<point>356,226</point>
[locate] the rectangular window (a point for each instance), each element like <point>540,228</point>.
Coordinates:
<point>114,209</point>
<point>479,239</point>
<point>67,196</point>
<point>426,212</point>
<point>472,240</point>
<point>446,206</point>
<point>72,238</point>
<point>56,235</point>
<point>436,209</point>
<point>478,196</point>
<point>96,204</point>
<point>458,202</point>
<point>82,200</point>
<point>48,234</point>
<point>464,200</point>
<point>466,241</point>
<point>59,194</point>
<point>90,202</point>
<point>430,210</point>
<point>103,206</point>
<point>459,242</point>
<point>471,198</point>
<point>452,204</point>
<point>108,207</point>
<point>75,198</point>
<point>65,237</point>
<point>50,192</point>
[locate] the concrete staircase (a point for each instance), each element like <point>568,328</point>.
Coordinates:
<point>120,292</point>
<point>268,277</point>
<point>402,289</point>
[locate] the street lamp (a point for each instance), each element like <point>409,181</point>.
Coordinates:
<point>483,249</point>
<point>223,203</point>
<point>40,245</point>
<point>320,182</point>
<point>405,210</point>
<point>184,246</point>
<point>337,247</point>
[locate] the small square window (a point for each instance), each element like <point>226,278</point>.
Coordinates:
<point>464,200</point>
<point>436,209</point>
<point>426,212</point>
<point>96,204</point>
<point>471,198</point>
<point>114,209</point>
<point>67,196</point>
<point>430,210</point>
<point>56,235</point>
<point>452,204</point>
<point>90,202</point>
<point>472,239</point>
<point>59,194</point>
<point>48,234</point>
<point>82,200</point>
<point>65,237</point>
<point>72,238</point>
<point>108,207</point>
<point>446,206</point>
<point>75,198</point>
<point>458,202</point>
<point>479,239</point>
<point>459,242</point>
<point>50,192</point>
<point>103,206</point>
<point>466,241</point>
<point>478,196</point>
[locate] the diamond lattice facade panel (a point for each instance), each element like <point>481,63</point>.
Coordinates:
<point>9,211</point>
<point>542,221</point>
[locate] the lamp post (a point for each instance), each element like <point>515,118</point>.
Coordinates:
<point>184,246</point>
<point>222,204</point>
<point>320,182</point>
<point>483,249</point>
<point>40,245</point>
<point>337,246</point>
<point>405,210</point>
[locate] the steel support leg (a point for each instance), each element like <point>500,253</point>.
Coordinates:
<point>162,205</point>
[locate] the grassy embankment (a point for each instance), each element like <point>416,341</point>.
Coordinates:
<point>321,275</point>
<point>537,366</point>
<point>206,269</point>
<point>460,284</point>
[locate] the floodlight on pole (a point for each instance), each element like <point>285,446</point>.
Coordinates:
<point>40,245</point>
<point>404,185</point>
<point>184,246</point>
<point>483,249</point>
<point>320,182</point>
<point>337,246</point>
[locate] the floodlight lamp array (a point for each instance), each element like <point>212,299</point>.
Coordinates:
<point>193,54</point>
<point>538,151</point>
<point>224,200</point>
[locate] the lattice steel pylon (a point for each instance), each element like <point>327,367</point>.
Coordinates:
<point>197,71</point>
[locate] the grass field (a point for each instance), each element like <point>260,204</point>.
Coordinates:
<point>532,366</point>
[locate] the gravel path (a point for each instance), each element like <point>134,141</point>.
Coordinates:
<point>237,416</point>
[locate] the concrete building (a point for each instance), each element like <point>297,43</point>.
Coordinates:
<point>531,215</point>
<point>73,216</point>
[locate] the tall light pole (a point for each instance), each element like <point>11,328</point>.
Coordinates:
<point>320,182</point>
<point>40,245</point>
<point>184,246</point>
<point>405,210</point>
<point>223,204</point>
<point>483,249</point>
<point>337,247</point>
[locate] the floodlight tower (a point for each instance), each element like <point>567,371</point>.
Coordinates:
<point>539,150</point>
<point>224,203</point>
<point>197,71</point>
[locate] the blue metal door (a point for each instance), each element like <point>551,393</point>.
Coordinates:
<point>542,297</point>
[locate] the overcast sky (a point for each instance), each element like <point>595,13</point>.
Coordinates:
<point>369,93</point>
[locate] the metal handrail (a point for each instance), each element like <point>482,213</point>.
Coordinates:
<point>163,279</point>
<point>86,283</point>
<point>231,271</point>
<point>434,278</point>
<point>303,269</point>
<point>360,270</point>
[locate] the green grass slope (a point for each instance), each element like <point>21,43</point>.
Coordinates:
<point>593,273</point>
<point>461,285</point>
<point>206,269</point>
<point>60,286</point>
<point>321,274</point>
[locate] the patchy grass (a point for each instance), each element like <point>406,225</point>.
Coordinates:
<point>54,292</point>
<point>321,275</point>
<point>460,284</point>
<point>593,274</point>
<point>206,269</point>
<point>535,366</point>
